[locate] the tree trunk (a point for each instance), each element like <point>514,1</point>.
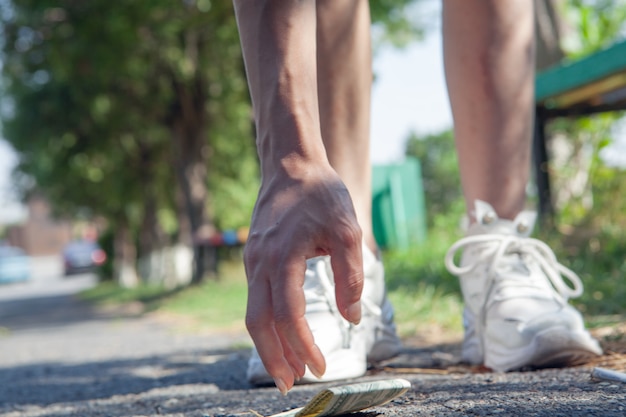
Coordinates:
<point>125,258</point>
<point>151,236</point>
<point>191,172</point>
<point>150,233</point>
<point>188,122</point>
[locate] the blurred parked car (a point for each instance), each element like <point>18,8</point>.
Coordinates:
<point>82,256</point>
<point>14,264</point>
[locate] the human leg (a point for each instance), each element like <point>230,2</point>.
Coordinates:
<point>489,61</point>
<point>516,311</point>
<point>344,80</point>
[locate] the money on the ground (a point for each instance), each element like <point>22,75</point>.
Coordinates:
<point>346,399</point>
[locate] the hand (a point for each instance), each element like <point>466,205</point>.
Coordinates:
<point>298,217</point>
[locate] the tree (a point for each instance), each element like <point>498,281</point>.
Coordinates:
<point>396,22</point>
<point>581,177</point>
<point>126,95</point>
<point>440,172</point>
<point>138,111</point>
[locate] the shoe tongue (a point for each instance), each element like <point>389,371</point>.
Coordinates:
<point>487,221</point>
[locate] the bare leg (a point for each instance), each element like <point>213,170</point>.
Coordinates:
<point>514,316</point>
<point>344,73</point>
<point>489,60</point>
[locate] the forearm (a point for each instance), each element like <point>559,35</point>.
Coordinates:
<point>278,41</point>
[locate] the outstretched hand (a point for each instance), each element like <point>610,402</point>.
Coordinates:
<point>298,217</point>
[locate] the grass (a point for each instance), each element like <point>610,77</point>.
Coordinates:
<point>213,305</point>
<point>110,293</point>
<point>424,308</point>
<point>599,258</point>
<point>423,292</point>
<point>220,304</point>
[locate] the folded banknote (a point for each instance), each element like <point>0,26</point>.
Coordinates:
<point>350,398</point>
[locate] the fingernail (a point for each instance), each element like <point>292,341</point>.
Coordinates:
<point>353,313</point>
<point>280,384</point>
<point>318,374</point>
<point>296,374</point>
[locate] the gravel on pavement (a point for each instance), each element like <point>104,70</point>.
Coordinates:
<point>60,356</point>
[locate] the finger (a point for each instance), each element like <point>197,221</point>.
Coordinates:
<point>297,365</point>
<point>260,325</point>
<point>347,264</point>
<point>290,321</point>
<point>312,358</point>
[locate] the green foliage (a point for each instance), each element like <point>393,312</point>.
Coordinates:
<point>590,236</point>
<point>91,88</point>
<point>395,22</point>
<point>423,264</point>
<point>580,162</point>
<point>596,23</point>
<point>599,259</point>
<point>93,92</point>
<point>423,291</point>
<point>440,172</point>
<point>591,223</point>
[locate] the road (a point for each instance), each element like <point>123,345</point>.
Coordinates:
<point>60,356</point>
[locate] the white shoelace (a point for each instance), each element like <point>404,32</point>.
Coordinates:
<point>495,246</point>
<point>328,289</point>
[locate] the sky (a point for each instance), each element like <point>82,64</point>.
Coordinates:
<point>409,95</point>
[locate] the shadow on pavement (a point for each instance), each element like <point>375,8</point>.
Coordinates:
<point>46,311</point>
<point>47,383</point>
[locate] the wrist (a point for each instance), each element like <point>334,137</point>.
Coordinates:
<point>292,164</point>
<point>289,142</point>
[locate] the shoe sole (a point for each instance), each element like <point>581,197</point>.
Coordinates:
<point>559,348</point>
<point>550,348</point>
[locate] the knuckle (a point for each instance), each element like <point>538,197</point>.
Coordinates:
<point>349,235</point>
<point>284,321</point>
<point>266,255</point>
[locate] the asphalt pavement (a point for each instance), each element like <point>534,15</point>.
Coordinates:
<point>60,356</point>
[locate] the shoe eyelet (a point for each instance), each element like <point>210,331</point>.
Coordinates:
<point>489,217</point>
<point>522,227</point>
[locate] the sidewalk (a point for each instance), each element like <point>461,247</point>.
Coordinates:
<point>62,357</point>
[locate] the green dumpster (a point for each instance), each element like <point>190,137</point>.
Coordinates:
<point>398,210</point>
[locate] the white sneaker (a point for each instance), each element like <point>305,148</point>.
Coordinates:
<point>347,348</point>
<point>516,311</point>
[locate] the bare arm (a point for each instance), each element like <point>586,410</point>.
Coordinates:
<point>303,209</point>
